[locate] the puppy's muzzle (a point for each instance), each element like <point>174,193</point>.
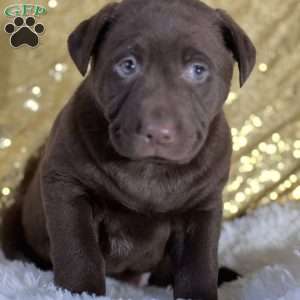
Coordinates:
<point>163,134</point>
<point>156,140</point>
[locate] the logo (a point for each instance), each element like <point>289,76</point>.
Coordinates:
<point>24,30</point>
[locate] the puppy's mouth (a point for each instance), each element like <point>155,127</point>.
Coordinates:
<point>136,148</point>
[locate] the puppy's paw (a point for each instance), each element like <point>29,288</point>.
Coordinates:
<point>195,299</point>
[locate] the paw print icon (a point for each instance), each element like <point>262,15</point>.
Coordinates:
<point>24,32</point>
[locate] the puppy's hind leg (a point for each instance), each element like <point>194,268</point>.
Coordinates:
<point>12,237</point>
<point>162,276</point>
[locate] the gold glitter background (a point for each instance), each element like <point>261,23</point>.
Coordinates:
<point>264,115</point>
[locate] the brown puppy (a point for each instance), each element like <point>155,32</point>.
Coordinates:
<point>131,177</point>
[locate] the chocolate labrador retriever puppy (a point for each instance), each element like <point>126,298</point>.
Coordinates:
<point>131,177</point>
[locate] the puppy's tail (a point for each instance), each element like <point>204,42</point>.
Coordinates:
<point>12,236</point>
<point>227,275</point>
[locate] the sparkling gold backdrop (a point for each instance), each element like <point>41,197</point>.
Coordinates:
<point>264,115</point>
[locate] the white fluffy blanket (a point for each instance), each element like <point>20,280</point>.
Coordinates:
<point>264,247</point>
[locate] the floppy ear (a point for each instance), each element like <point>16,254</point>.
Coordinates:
<point>82,40</point>
<point>240,45</point>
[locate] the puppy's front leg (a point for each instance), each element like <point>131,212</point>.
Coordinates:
<point>76,257</point>
<point>196,262</point>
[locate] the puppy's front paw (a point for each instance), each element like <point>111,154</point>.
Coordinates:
<point>198,296</point>
<point>196,299</point>
<point>196,293</point>
<point>80,284</point>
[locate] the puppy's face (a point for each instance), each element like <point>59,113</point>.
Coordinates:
<point>161,73</point>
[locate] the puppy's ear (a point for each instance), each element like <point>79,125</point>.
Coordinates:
<point>240,45</point>
<point>82,40</point>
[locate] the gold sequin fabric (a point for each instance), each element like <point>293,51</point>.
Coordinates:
<point>264,115</point>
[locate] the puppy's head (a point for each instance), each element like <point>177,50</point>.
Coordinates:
<point>161,72</point>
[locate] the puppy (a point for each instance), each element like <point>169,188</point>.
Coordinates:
<point>131,177</point>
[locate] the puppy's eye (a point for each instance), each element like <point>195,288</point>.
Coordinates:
<point>127,67</point>
<point>196,72</point>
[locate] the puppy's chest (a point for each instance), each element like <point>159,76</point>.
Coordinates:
<point>145,190</point>
<point>131,241</point>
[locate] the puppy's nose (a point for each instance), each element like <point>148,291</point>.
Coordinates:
<point>163,134</point>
